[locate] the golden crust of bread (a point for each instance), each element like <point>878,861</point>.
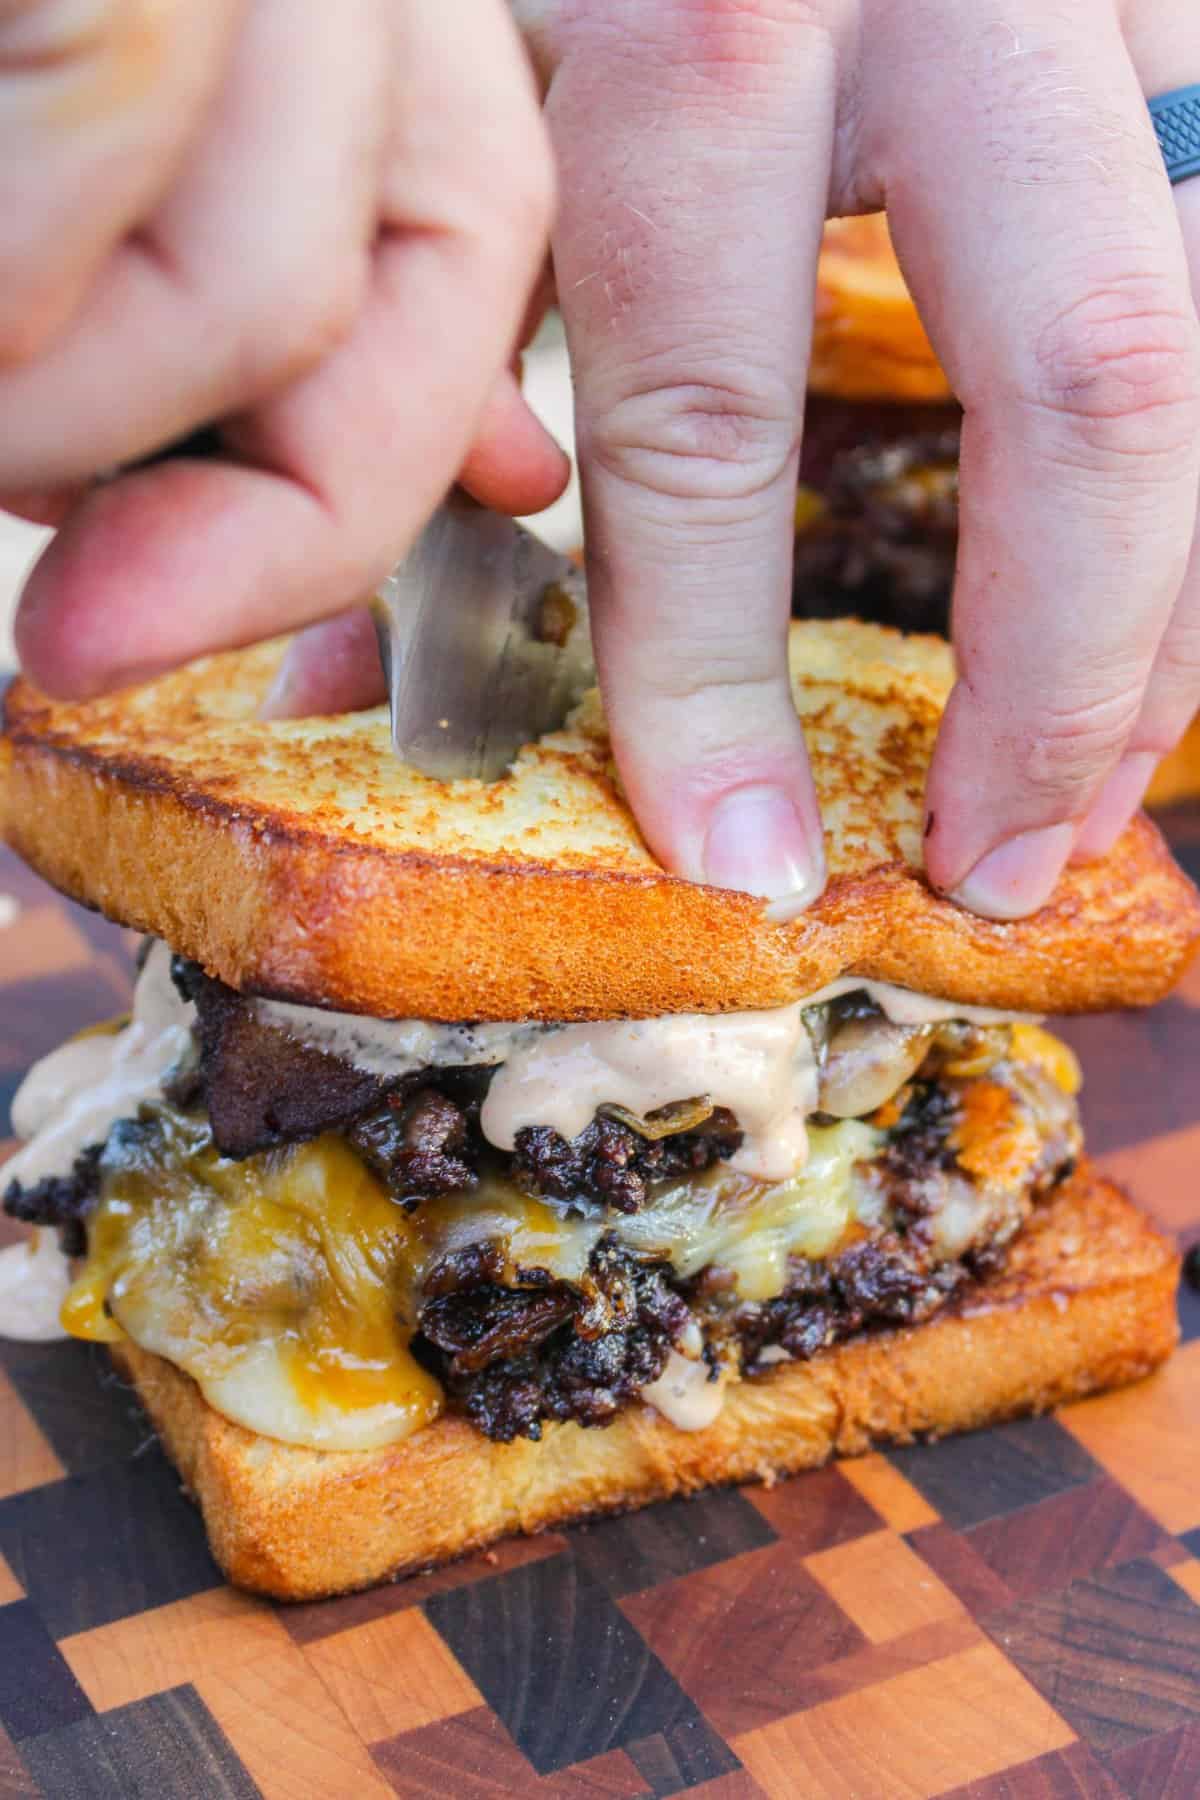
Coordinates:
<point>1087,1302</point>
<point>868,339</point>
<point>298,858</point>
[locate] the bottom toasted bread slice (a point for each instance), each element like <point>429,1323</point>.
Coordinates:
<point>1086,1302</point>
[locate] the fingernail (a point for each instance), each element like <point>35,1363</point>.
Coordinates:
<point>1115,805</point>
<point>1018,877</point>
<point>756,843</point>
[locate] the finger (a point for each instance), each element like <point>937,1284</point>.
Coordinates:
<point>332,667</point>
<point>41,506</point>
<point>1051,273</point>
<point>1166,53</point>
<point>685,135</point>
<point>212,306</point>
<point>514,465</point>
<point>339,472</point>
<point>98,102</point>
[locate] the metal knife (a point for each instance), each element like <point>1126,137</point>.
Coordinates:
<point>484,639</point>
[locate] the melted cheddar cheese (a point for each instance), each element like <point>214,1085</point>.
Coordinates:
<point>287,1285</point>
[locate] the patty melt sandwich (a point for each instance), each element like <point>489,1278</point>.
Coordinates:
<point>458,1172</point>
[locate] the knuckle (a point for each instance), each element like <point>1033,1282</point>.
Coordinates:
<point>707,439</point>
<point>1074,742</point>
<point>1122,369</point>
<point>296,328</point>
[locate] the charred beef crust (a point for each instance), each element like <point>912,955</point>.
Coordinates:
<point>263,1088</point>
<point>60,1202</point>
<point>880,1283</point>
<point>421,1144</point>
<point>511,1358</point>
<point>580,1353</point>
<point>420,1134</point>
<point>610,1164</point>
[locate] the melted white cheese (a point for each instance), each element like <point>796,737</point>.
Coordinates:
<point>395,1047</point>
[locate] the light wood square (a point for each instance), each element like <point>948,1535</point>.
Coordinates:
<point>1187,1575</point>
<point>393,1674</point>
<point>160,1649</point>
<point>894,1498</point>
<point>26,1457</point>
<point>1161,1176</point>
<point>954,1721</point>
<point>1146,1437</point>
<point>10,1587</point>
<point>289,1731</point>
<point>883,1585</point>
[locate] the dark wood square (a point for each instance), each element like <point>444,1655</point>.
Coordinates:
<point>669,1540</point>
<point>984,1474</point>
<point>1045,1547</point>
<point>1117,1653</point>
<point>744,1637</point>
<point>953,1558</point>
<point>559,1663</point>
<point>1161,1768</point>
<point>97,1547</point>
<point>38,1689</point>
<point>1070,1774</point>
<point>88,1413</point>
<point>472,1757</point>
<point>165,1747</point>
<point>815,1510</point>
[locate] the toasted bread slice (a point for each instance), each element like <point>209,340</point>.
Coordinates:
<point>298,858</point>
<point>868,339</point>
<point>1087,1302</point>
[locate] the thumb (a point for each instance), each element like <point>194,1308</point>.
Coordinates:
<point>97,105</point>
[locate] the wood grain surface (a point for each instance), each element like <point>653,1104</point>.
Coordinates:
<point>1013,1614</point>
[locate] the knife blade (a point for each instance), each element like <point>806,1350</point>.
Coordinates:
<point>483,634</point>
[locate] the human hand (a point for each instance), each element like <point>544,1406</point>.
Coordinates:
<point>701,144</point>
<point>317,224</point>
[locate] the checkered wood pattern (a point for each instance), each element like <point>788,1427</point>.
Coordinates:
<point>1015,1613</point>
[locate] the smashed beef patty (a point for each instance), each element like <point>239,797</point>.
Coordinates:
<point>960,1160</point>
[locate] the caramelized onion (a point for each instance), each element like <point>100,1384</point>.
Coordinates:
<point>868,1060</point>
<point>666,1121</point>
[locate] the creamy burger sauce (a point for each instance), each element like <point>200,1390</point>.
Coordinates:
<point>760,1065</point>
<point>74,1096</point>
<point>69,1100</point>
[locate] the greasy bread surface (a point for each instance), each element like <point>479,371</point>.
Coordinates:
<point>299,858</point>
<point>1087,1302</point>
